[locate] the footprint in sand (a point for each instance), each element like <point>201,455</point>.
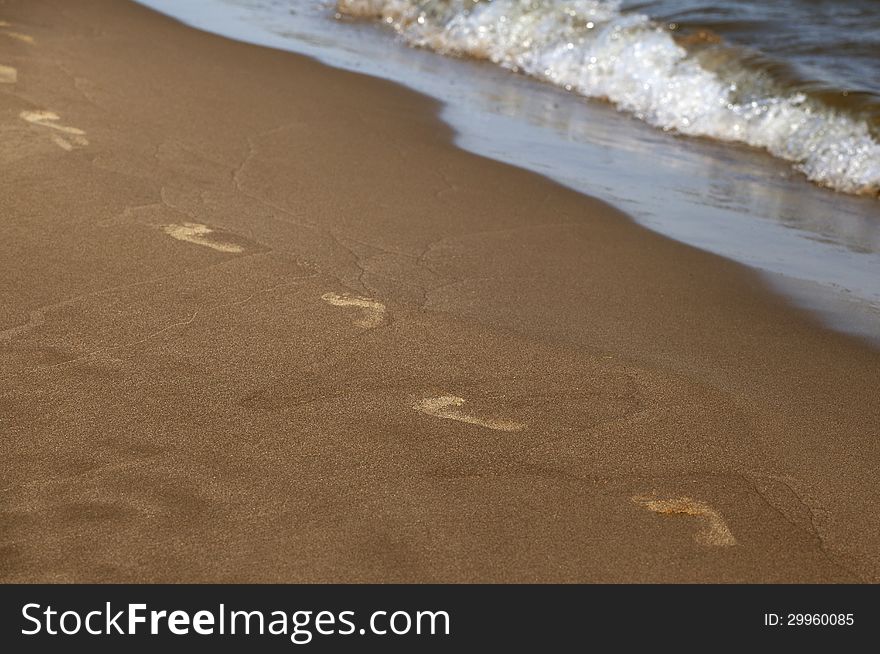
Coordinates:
<point>75,136</point>
<point>373,310</point>
<point>18,36</point>
<point>444,407</point>
<point>714,532</point>
<point>196,233</point>
<point>8,75</point>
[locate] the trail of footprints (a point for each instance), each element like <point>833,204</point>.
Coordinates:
<point>64,136</point>
<point>714,530</point>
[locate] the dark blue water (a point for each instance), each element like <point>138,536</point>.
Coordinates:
<point>832,43</point>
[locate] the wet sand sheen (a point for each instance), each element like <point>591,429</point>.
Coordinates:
<point>196,386</point>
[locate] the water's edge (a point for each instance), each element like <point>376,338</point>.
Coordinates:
<point>698,87</point>
<point>810,243</point>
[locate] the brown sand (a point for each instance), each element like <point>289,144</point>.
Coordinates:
<point>180,401</point>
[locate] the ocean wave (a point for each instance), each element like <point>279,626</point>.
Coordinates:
<point>691,85</point>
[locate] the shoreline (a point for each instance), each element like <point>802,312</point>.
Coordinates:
<point>820,249</point>
<point>184,406</point>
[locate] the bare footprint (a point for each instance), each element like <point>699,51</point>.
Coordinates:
<point>442,407</point>
<point>714,532</point>
<point>18,36</point>
<point>74,135</point>
<point>373,314</point>
<point>8,75</point>
<point>196,233</point>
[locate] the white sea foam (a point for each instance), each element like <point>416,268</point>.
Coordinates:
<point>590,47</point>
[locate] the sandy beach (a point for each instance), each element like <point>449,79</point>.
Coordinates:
<point>261,321</point>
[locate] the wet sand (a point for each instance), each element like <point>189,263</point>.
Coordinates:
<point>261,321</point>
